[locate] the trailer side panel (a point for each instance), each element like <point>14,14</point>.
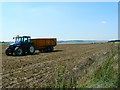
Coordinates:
<point>44,43</point>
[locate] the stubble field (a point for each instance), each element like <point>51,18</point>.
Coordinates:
<point>39,69</point>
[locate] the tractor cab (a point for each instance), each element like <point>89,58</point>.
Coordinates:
<point>22,39</point>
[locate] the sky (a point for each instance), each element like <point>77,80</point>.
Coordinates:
<point>61,20</point>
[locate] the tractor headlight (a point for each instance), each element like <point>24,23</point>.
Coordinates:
<point>17,45</point>
<point>10,46</point>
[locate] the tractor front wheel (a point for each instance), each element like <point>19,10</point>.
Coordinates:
<point>18,51</point>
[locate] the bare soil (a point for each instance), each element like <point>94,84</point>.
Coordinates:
<point>40,69</point>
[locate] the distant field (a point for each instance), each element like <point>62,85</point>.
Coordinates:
<point>81,41</point>
<point>40,69</point>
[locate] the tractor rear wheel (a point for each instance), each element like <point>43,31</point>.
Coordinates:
<point>18,51</point>
<point>8,51</point>
<point>31,49</point>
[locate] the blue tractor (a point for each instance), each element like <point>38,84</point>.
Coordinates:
<point>22,44</point>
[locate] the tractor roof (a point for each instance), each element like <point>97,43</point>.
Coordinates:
<point>26,36</point>
<point>23,36</point>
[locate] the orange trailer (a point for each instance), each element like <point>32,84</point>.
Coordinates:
<point>44,43</point>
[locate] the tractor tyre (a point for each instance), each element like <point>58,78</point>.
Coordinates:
<point>9,51</point>
<point>31,49</point>
<point>19,51</point>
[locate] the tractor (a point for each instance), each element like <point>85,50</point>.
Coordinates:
<point>22,45</point>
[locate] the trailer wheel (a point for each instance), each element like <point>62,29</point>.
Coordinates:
<point>18,51</point>
<point>31,49</point>
<point>8,51</point>
<point>51,49</point>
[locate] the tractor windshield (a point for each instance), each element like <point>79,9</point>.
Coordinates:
<point>18,39</point>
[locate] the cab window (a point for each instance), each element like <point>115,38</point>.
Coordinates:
<point>29,40</point>
<point>25,40</point>
<point>18,40</point>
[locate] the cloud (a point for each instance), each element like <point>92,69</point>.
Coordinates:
<point>104,22</point>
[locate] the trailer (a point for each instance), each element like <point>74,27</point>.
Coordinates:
<point>44,44</point>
